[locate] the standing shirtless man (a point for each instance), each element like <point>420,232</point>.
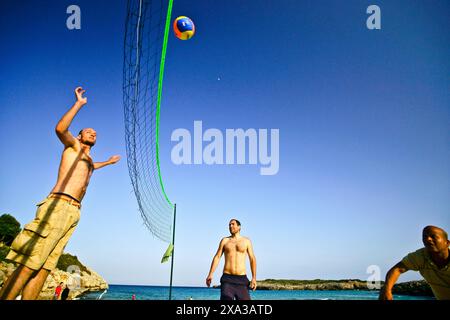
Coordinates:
<point>40,244</point>
<point>234,283</point>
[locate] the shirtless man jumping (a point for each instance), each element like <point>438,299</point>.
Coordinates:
<point>40,244</point>
<point>234,283</point>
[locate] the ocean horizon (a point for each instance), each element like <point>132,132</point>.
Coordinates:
<point>146,292</point>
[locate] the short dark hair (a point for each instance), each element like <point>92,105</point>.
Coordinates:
<point>444,233</point>
<point>81,131</point>
<point>237,222</point>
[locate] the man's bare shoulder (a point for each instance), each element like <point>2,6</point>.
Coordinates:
<point>247,240</point>
<point>76,147</point>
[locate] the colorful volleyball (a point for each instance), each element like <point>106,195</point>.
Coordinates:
<point>184,28</point>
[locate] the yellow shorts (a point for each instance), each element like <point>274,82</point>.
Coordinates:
<point>42,241</point>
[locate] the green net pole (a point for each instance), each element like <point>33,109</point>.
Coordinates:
<point>173,250</point>
<point>158,103</point>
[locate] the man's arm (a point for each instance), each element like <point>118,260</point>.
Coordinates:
<point>62,128</point>
<point>391,278</point>
<point>112,160</point>
<point>252,258</point>
<point>215,262</point>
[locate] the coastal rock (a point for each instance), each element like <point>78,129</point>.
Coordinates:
<point>312,285</point>
<point>78,283</point>
<point>413,288</point>
<point>6,269</point>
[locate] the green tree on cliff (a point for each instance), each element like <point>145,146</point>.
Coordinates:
<point>9,228</point>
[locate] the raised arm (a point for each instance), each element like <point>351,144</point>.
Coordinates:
<point>252,258</point>
<point>215,262</point>
<point>391,278</point>
<point>62,128</point>
<point>112,160</point>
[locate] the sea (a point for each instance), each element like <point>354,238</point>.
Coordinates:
<point>126,292</point>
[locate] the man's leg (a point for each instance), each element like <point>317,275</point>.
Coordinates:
<point>18,279</point>
<point>226,291</point>
<point>242,293</point>
<point>34,286</point>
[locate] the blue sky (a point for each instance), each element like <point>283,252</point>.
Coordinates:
<point>363,118</point>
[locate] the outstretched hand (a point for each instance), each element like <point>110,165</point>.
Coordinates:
<point>79,95</point>
<point>114,159</point>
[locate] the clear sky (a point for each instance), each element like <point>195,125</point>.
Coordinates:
<point>363,118</point>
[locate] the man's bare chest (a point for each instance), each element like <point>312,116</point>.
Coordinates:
<point>77,162</point>
<point>235,246</point>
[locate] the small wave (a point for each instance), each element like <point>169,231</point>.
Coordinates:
<point>100,296</point>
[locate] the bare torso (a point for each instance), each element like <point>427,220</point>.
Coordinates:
<point>74,173</point>
<point>235,251</point>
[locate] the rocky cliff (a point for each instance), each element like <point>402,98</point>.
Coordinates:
<point>79,279</point>
<point>79,282</point>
